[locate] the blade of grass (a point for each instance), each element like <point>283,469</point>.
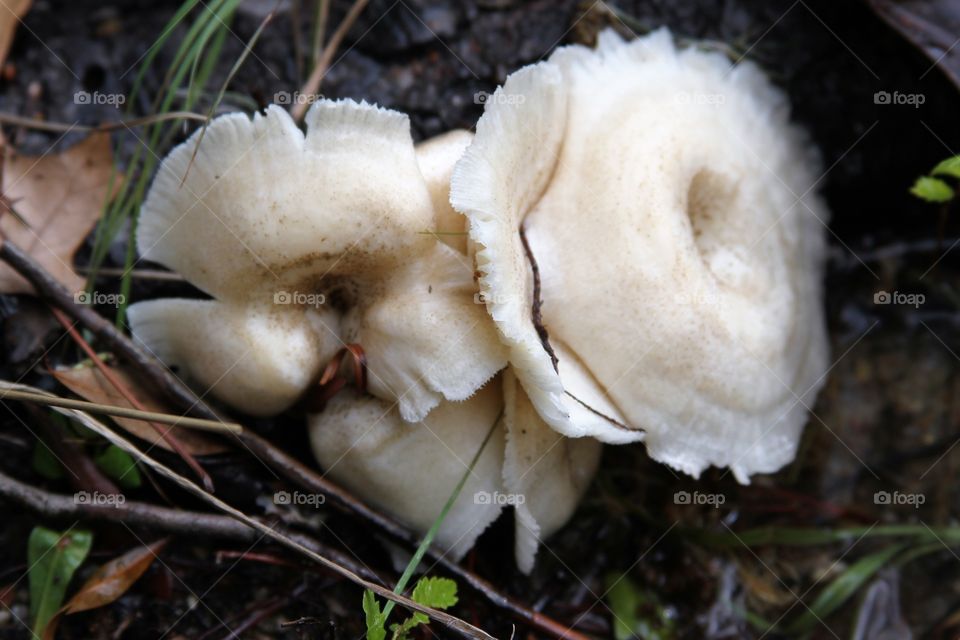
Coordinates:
<point>842,588</point>
<point>435,527</point>
<point>248,48</point>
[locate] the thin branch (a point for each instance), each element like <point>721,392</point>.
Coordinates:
<point>124,412</point>
<point>142,274</point>
<point>111,377</point>
<point>55,293</point>
<point>156,518</point>
<point>63,127</point>
<point>82,472</point>
<point>312,85</point>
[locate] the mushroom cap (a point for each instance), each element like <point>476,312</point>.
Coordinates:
<point>410,469</point>
<point>258,359</point>
<point>669,207</point>
<point>426,337</point>
<point>338,217</point>
<point>549,470</point>
<point>265,207</point>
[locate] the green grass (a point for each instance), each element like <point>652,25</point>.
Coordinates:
<point>185,82</point>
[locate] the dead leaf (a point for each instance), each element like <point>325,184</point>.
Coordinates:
<point>89,383</point>
<point>108,583</point>
<point>10,13</point>
<point>57,199</point>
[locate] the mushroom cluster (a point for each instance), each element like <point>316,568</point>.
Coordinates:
<point>648,254</point>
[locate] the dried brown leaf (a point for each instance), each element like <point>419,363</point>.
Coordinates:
<point>56,200</point>
<point>11,11</point>
<point>89,383</point>
<point>108,583</point>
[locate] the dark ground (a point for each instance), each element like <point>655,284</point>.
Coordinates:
<point>886,421</point>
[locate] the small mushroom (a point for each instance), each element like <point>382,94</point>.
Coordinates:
<point>308,242</point>
<point>651,249</point>
<point>410,469</point>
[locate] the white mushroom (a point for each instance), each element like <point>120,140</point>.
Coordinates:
<point>410,469</point>
<point>308,242</point>
<point>676,243</point>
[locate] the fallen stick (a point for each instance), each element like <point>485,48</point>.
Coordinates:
<point>157,518</point>
<point>124,412</point>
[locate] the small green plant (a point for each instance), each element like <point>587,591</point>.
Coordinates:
<point>933,187</point>
<point>637,613</point>
<point>437,593</point>
<point>53,558</point>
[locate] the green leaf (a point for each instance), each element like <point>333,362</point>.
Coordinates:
<point>437,593</point>
<point>636,613</point>
<point>375,619</point>
<point>843,586</point>
<point>949,167</point>
<point>932,189</point>
<point>119,465</point>
<point>53,558</point>
<point>45,463</point>
<point>402,631</point>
